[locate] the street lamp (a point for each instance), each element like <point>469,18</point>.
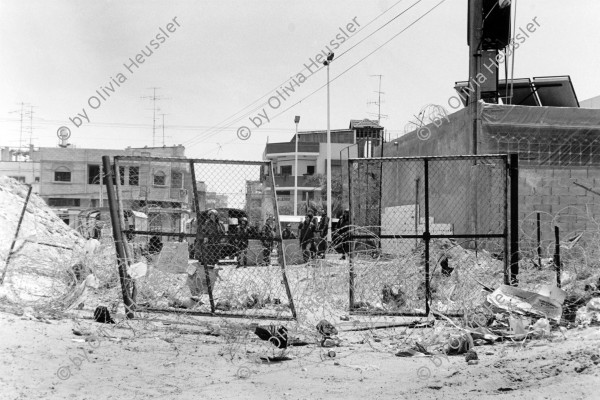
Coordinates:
<point>296,120</point>
<point>329,199</point>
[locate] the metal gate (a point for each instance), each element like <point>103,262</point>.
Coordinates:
<point>427,233</point>
<point>211,231</point>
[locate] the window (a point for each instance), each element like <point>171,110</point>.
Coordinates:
<point>176,179</point>
<point>159,178</point>
<point>134,176</point>
<point>65,220</point>
<point>310,170</point>
<point>286,170</point>
<point>122,175</point>
<point>18,178</point>
<point>63,202</point>
<point>62,174</point>
<point>93,174</point>
<point>37,178</point>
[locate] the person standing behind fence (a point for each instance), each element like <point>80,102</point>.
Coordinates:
<point>307,232</point>
<point>242,242</point>
<point>208,238</point>
<point>287,233</point>
<point>267,236</point>
<point>323,230</point>
<point>342,233</point>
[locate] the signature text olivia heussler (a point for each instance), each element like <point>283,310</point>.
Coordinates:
<point>129,67</point>
<point>286,90</point>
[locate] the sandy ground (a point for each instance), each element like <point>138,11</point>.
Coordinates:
<point>163,357</point>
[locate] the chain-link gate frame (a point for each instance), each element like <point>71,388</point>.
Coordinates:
<point>166,175</point>
<point>416,190</point>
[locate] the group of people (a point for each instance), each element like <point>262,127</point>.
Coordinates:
<point>312,234</point>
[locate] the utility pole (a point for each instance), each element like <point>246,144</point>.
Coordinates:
<point>475,27</point>
<point>163,128</point>
<point>153,98</point>
<point>378,102</point>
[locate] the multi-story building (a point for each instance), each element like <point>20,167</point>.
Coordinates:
<point>69,180</point>
<point>358,140</point>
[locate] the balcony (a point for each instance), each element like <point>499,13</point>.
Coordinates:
<point>288,181</point>
<point>290,148</point>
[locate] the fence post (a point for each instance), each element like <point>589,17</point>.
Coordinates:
<point>196,245</point>
<point>557,255</point>
<point>12,246</point>
<point>514,219</point>
<point>118,237</point>
<point>426,234</point>
<point>350,239</point>
<point>539,241</point>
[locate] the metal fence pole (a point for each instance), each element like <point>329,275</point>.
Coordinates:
<point>348,237</point>
<point>514,219</point>
<point>426,234</point>
<point>557,255</point>
<point>280,245</point>
<point>12,246</point>
<point>118,237</point>
<point>539,241</point>
<point>201,245</point>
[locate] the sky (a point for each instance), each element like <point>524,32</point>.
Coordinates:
<point>225,62</point>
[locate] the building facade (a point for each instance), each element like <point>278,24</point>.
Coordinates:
<point>70,181</point>
<point>359,140</point>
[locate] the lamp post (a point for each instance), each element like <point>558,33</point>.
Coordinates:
<point>329,199</point>
<point>296,120</point>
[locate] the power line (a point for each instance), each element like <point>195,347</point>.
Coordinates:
<point>217,127</point>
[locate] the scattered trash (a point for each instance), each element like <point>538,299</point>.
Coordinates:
<point>326,329</point>
<point>344,318</point>
<point>331,353</point>
<point>459,344</point>
<point>137,270</point>
<point>275,359</point>
<point>521,301</point>
<point>102,315</point>
<point>518,324</point>
<point>473,362</point>
<point>471,355</point>
<point>276,335</point>
<point>541,327</point>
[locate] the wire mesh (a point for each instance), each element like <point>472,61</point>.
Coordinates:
<point>209,233</point>
<point>441,224</point>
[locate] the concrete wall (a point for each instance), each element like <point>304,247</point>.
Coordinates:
<point>553,193</point>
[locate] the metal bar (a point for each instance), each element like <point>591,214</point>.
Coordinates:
<point>505,220</point>
<point>129,256</point>
<point>426,235</point>
<point>12,246</point>
<point>557,255</point>
<point>210,314</point>
<point>514,219</point>
<point>389,314</point>
<point>175,234</point>
<point>350,238</point>
<point>280,244</point>
<point>586,188</point>
<point>118,237</point>
<point>201,245</point>
<point>188,160</point>
<point>417,212</point>
<point>442,158</point>
<point>436,236</point>
<point>539,241</point>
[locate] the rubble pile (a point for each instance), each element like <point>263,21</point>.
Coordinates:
<point>38,272</point>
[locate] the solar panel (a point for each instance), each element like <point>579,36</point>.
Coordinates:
<point>523,93</point>
<point>556,91</point>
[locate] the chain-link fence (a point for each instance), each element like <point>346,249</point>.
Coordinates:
<point>439,222</point>
<point>209,233</point>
